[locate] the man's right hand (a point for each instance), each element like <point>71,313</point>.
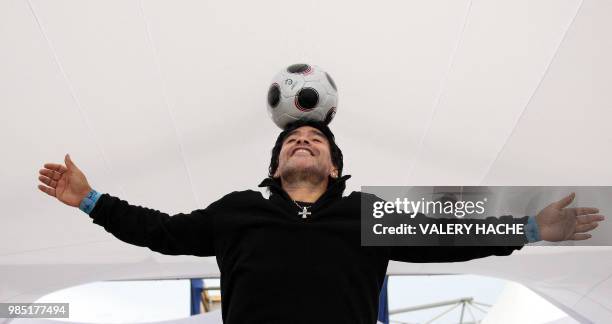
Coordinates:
<point>66,183</point>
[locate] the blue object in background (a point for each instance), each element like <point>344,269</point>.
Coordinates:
<point>197,286</point>
<point>383,304</point>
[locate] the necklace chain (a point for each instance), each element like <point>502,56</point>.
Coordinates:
<point>295,202</point>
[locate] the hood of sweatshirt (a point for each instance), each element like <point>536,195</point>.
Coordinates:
<point>334,191</point>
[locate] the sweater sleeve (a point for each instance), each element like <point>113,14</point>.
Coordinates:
<point>427,254</point>
<point>448,249</point>
<point>447,252</point>
<point>181,234</point>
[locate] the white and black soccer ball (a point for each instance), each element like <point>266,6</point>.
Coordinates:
<point>302,91</point>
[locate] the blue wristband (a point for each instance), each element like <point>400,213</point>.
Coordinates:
<point>532,231</point>
<point>89,202</point>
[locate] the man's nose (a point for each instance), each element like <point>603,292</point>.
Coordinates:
<point>302,140</point>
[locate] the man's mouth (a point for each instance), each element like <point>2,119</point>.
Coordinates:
<point>304,149</point>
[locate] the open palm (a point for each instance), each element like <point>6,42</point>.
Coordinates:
<point>66,183</point>
<point>558,223</point>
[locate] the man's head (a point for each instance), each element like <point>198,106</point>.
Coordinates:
<point>306,149</point>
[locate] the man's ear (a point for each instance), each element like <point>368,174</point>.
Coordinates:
<point>334,173</point>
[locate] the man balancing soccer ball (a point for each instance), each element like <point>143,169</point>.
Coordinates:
<point>282,250</point>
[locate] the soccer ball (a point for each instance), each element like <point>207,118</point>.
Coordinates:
<point>302,91</point>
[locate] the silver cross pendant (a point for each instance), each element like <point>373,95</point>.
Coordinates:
<point>304,213</point>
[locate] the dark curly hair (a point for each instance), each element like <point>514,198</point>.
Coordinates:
<point>336,153</point>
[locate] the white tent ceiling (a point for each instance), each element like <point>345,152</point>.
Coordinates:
<point>163,104</point>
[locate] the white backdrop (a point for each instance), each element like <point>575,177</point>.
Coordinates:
<point>163,104</point>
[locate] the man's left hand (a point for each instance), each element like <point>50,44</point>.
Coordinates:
<point>557,223</point>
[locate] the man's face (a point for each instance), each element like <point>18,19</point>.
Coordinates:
<point>305,152</point>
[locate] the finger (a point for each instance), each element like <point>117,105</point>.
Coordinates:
<point>566,200</point>
<point>581,236</point>
<point>586,227</point>
<point>48,181</point>
<point>50,174</point>
<point>56,167</point>
<point>585,210</point>
<point>47,190</point>
<point>69,163</point>
<point>586,219</point>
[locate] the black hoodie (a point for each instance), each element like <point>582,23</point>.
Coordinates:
<point>277,267</point>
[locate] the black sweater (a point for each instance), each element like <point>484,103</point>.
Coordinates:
<point>277,267</point>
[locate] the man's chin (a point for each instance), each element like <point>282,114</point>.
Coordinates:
<point>303,172</point>
<point>301,165</point>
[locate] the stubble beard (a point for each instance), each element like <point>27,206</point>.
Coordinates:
<point>295,174</point>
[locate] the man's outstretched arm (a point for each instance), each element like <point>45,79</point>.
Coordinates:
<point>554,223</point>
<point>477,248</point>
<point>190,234</point>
